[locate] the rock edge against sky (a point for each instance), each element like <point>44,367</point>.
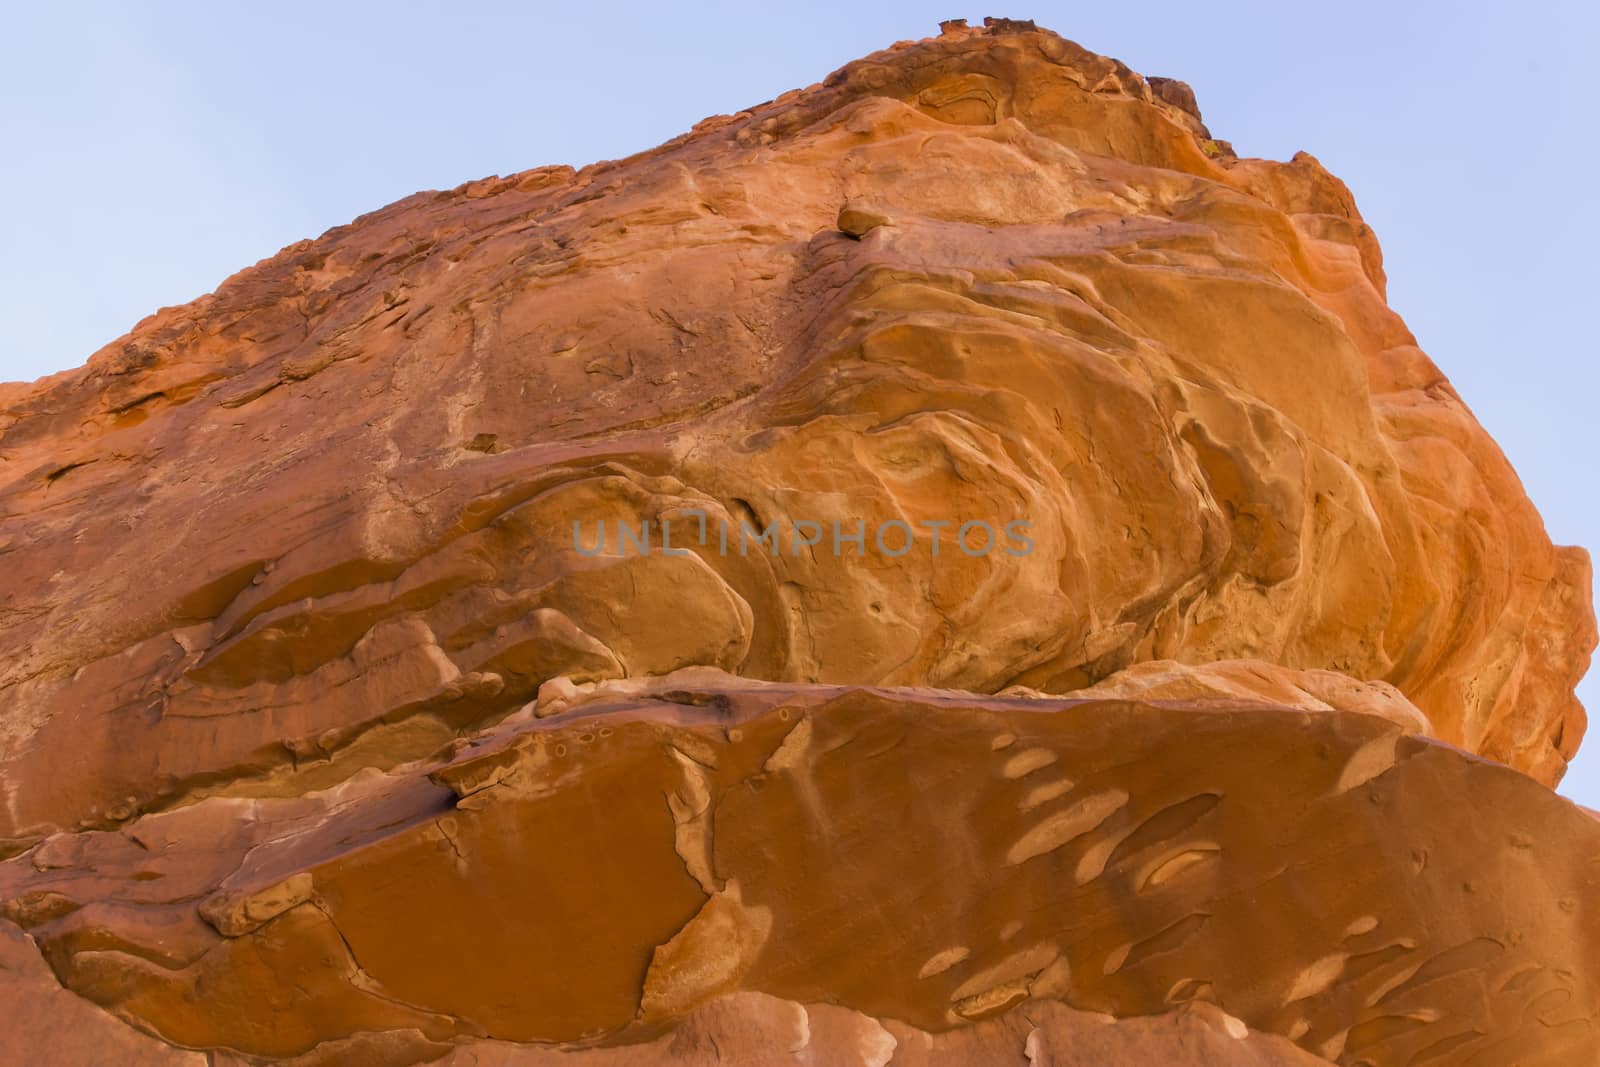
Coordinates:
<point>325,741</point>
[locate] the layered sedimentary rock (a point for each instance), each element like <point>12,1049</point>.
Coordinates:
<point>563,618</point>
<point>920,860</point>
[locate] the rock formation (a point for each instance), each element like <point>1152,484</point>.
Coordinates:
<point>951,565</point>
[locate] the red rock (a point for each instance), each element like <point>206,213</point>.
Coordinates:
<point>326,741</point>
<point>46,1026</point>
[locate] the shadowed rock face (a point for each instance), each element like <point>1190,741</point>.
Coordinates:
<point>931,858</point>
<point>325,736</point>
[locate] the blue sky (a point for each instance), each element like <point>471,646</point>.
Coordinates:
<point>149,155</point>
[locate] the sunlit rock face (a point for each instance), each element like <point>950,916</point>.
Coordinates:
<point>950,565</point>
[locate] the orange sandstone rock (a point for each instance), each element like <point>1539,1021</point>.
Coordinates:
<point>330,732</point>
<point>934,858</point>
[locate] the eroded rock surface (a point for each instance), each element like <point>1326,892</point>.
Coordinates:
<point>325,737</point>
<point>45,1024</point>
<point>933,858</point>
